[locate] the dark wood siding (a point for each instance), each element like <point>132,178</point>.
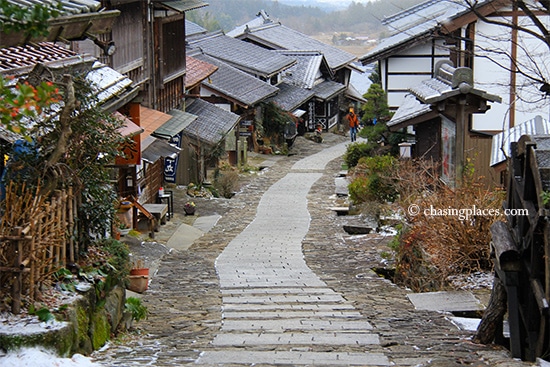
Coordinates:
<point>128,33</point>
<point>428,143</point>
<point>173,48</point>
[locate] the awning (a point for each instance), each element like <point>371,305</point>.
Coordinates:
<point>183,5</point>
<point>298,113</point>
<point>150,120</point>
<point>179,121</point>
<point>153,149</point>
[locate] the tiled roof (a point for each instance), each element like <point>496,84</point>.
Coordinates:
<point>77,19</point>
<point>193,29</point>
<point>408,110</point>
<point>328,89</point>
<point>183,5</point>
<point>213,123</point>
<point>150,120</point>
<point>236,84</point>
<point>196,71</point>
<point>108,85</point>
<point>245,56</point>
<point>307,68</point>
<point>68,7</point>
<point>29,55</point>
<point>417,24</point>
<point>291,97</point>
<point>277,36</point>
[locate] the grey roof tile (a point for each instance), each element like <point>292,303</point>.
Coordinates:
<point>212,123</point>
<point>277,36</point>
<point>307,68</point>
<point>291,97</point>
<point>236,84</point>
<point>418,22</point>
<point>328,89</point>
<point>245,56</point>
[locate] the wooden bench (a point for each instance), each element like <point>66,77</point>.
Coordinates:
<point>155,214</point>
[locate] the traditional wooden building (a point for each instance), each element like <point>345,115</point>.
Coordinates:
<point>438,110</point>
<point>330,103</point>
<point>435,30</point>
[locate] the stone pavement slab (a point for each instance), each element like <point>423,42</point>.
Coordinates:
<point>445,301</point>
<point>294,358</point>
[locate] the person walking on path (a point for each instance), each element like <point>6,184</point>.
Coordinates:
<point>353,124</point>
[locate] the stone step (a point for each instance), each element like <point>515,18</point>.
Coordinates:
<point>287,306</point>
<point>292,358</point>
<point>276,290</point>
<point>296,324</point>
<point>289,314</point>
<point>289,298</point>
<point>295,338</point>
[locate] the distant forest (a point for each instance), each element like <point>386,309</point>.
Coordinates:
<point>358,18</point>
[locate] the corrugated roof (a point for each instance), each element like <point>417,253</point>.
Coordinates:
<point>179,121</point>
<point>277,36</point>
<point>245,56</point>
<point>213,123</point>
<point>290,97</point>
<point>501,141</point>
<point>238,85</point>
<point>152,149</point>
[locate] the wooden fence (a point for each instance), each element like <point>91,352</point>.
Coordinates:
<point>37,238</point>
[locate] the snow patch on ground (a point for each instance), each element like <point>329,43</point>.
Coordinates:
<point>38,357</point>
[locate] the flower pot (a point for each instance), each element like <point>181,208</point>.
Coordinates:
<point>189,210</point>
<point>140,271</point>
<point>138,283</point>
<point>125,231</point>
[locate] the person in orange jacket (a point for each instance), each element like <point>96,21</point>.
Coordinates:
<point>353,124</point>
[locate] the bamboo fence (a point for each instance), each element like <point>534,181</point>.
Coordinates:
<point>37,238</point>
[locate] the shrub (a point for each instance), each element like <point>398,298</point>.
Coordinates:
<point>442,238</point>
<point>226,182</point>
<point>373,180</point>
<point>356,151</point>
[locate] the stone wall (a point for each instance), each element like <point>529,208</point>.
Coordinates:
<point>88,322</point>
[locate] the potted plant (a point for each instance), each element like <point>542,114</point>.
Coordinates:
<point>139,277</point>
<point>189,208</point>
<point>123,229</point>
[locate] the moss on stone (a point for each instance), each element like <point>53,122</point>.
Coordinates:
<point>100,328</point>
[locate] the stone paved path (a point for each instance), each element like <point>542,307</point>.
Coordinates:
<point>245,293</point>
<point>272,299</point>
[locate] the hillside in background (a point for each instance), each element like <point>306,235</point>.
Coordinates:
<point>337,27</point>
<point>357,17</point>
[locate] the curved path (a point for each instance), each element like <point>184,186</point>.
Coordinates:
<point>276,310</point>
